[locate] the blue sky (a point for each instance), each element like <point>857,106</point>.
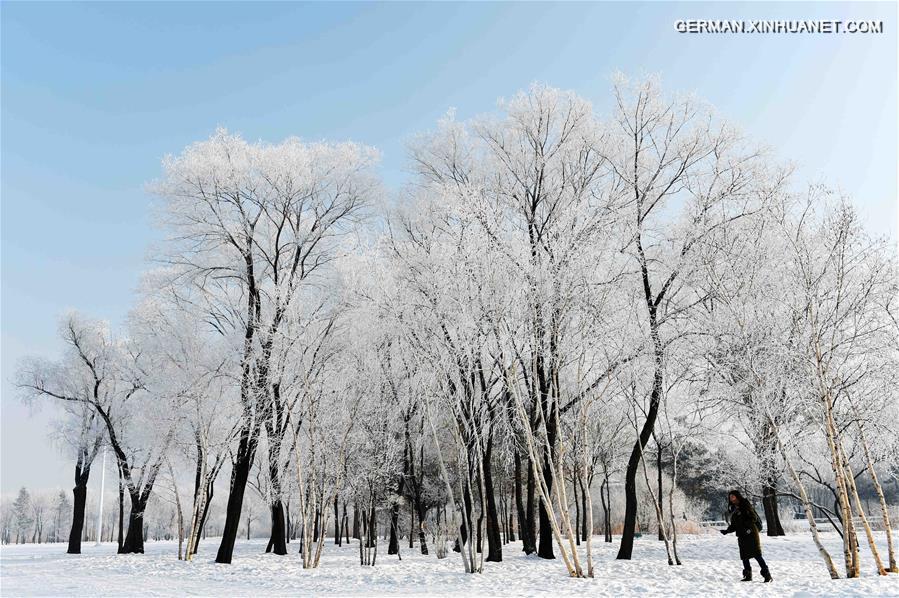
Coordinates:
<point>94,95</point>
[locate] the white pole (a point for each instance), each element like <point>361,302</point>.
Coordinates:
<point>102,488</point>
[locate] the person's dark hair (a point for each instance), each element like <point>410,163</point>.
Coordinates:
<point>741,500</point>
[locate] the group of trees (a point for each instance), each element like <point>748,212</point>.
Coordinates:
<point>558,306</point>
<point>44,517</point>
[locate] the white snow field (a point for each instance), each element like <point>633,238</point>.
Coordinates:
<point>710,568</point>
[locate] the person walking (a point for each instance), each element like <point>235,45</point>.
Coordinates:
<point>745,522</point>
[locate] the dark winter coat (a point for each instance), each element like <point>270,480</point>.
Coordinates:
<point>746,523</point>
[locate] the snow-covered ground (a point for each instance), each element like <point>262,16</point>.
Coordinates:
<point>710,568</point>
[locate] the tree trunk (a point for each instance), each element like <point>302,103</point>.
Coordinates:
<point>121,535</point>
<point>466,524</point>
<point>134,541</point>
<point>772,514</point>
<point>79,503</point>
<point>411,526</point>
<point>316,527</point>
<point>494,541</point>
<point>287,526</point>
<point>203,517</point>
<point>577,513</point>
<point>530,540</point>
<point>277,541</point>
<point>393,547</point>
<point>346,523</point>
<point>884,511</point>
<point>372,527</point>
<point>524,528</point>
<point>336,520</point>
<point>545,543</point>
<point>626,548</point>
<point>608,511</point>
<point>656,504</point>
<point>584,520</point>
<point>422,539</point>
<point>807,506</point>
<point>479,546</point>
<point>545,546</point>
<point>659,481</point>
<point>240,473</point>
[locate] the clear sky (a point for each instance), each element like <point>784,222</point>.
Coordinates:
<point>94,95</point>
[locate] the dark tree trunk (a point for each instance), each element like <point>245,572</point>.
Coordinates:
<point>512,519</point>
<point>545,546</point>
<point>605,511</point>
<point>660,495</point>
<point>277,542</point>
<point>480,541</point>
<point>418,506</point>
<point>467,509</point>
<point>422,539</point>
<point>772,514</point>
<point>584,531</point>
<point>519,503</point>
<point>626,548</point>
<point>577,513</point>
<point>503,515</point>
<point>411,526</point>
<point>240,473</point>
<point>79,502</point>
<point>393,546</point>
<point>287,525</point>
<point>608,509</point>
<point>529,534</point>
<point>356,519</point>
<point>316,528</point>
<point>121,538</point>
<point>766,450</point>
<point>134,541</point>
<point>494,540</point>
<point>336,520</point>
<point>652,301</point>
<point>346,523</point>
<point>476,527</point>
<point>372,526</point>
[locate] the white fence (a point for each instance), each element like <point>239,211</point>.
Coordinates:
<point>823,523</point>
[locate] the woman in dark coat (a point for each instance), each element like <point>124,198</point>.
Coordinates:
<point>746,523</point>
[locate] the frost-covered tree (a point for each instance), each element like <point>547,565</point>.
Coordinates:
<point>125,387</point>
<point>689,177</point>
<point>62,511</point>
<point>195,369</point>
<point>533,201</point>
<point>83,376</point>
<point>23,517</point>
<point>251,225</point>
<point>560,304</point>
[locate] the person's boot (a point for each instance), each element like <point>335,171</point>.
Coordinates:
<point>747,575</point>
<point>767,575</point>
